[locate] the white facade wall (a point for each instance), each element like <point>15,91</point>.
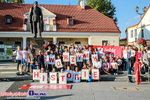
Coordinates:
<point>145,23</point>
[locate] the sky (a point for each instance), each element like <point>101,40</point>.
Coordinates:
<point>125,10</point>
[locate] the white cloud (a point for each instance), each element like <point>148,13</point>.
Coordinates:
<point>137,17</point>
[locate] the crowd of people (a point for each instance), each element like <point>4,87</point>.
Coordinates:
<point>106,65</point>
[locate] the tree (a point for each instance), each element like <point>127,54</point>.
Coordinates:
<point>12,1</point>
<point>103,6</point>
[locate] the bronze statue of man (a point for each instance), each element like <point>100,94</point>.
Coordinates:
<point>36,20</point>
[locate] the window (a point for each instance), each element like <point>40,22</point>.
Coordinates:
<point>104,42</point>
<point>70,22</point>
<point>61,42</point>
<point>142,33</point>
<point>18,43</point>
<point>135,32</point>
<point>131,33</point>
<point>8,21</point>
<point>77,42</point>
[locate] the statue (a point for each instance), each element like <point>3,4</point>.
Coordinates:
<point>36,20</point>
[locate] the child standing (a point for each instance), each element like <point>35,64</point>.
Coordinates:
<point>32,62</point>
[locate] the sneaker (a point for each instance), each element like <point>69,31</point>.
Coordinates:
<point>116,73</point>
<point>20,72</point>
<point>32,81</point>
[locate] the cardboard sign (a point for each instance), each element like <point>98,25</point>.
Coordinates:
<point>43,78</point>
<point>69,75</point>
<point>52,59</point>
<point>62,78</point>
<point>95,74</point>
<point>46,59</point>
<point>79,57</point>
<point>65,57</point>
<point>85,74</point>
<point>53,77</point>
<point>86,55</point>
<point>36,74</point>
<point>58,63</point>
<point>72,59</point>
<point>94,56</point>
<point>76,77</point>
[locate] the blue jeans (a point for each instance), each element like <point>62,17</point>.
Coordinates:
<point>24,62</point>
<point>18,63</point>
<point>32,66</point>
<point>128,69</point>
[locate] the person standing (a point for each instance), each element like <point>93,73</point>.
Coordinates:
<point>31,52</point>
<point>18,54</point>
<point>25,57</point>
<point>132,57</point>
<point>40,59</point>
<point>145,60</point>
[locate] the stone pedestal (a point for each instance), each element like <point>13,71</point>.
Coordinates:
<point>38,44</point>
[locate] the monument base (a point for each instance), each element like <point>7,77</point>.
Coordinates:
<point>38,44</point>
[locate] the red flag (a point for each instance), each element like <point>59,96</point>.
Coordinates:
<point>136,70</point>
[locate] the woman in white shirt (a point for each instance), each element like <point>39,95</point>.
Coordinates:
<point>25,56</point>
<point>18,54</point>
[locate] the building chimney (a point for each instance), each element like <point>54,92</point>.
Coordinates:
<point>82,4</point>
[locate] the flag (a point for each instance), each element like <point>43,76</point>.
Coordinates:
<point>136,70</point>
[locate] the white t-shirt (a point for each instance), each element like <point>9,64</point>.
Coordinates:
<point>132,53</point>
<point>97,64</point>
<point>18,54</point>
<point>119,61</point>
<point>114,65</point>
<point>24,54</point>
<point>125,54</point>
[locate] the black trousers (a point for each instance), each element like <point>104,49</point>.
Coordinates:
<point>112,70</point>
<point>132,61</point>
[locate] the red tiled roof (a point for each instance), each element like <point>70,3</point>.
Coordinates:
<point>88,20</point>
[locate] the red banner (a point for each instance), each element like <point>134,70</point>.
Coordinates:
<point>113,50</point>
<point>58,87</point>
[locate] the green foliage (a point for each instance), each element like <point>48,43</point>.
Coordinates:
<point>103,6</point>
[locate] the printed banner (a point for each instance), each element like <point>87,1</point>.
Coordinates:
<point>53,77</point>
<point>65,57</point>
<point>85,74</point>
<point>94,56</point>
<point>79,57</point>
<point>113,50</point>
<point>69,75</point>
<point>43,78</point>
<point>62,78</point>
<point>52,87</point>
<point>76,77</point>
<point>95,74</point>
<point>36,74</point>
<point>58,63</point>
<point>72,59</point>
<point>86,55</point>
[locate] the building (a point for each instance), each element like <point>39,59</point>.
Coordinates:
<point>63,24</point>
<point>123,42</point>
<point>140,30</point>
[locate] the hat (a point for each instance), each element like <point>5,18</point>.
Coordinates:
<point>62,69</point>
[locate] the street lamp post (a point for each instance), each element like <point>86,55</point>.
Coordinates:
<point>137,10</point>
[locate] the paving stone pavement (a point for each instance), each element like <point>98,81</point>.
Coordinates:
<point>97,91</point>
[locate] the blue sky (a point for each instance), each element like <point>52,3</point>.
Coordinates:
<point>125,10</point>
